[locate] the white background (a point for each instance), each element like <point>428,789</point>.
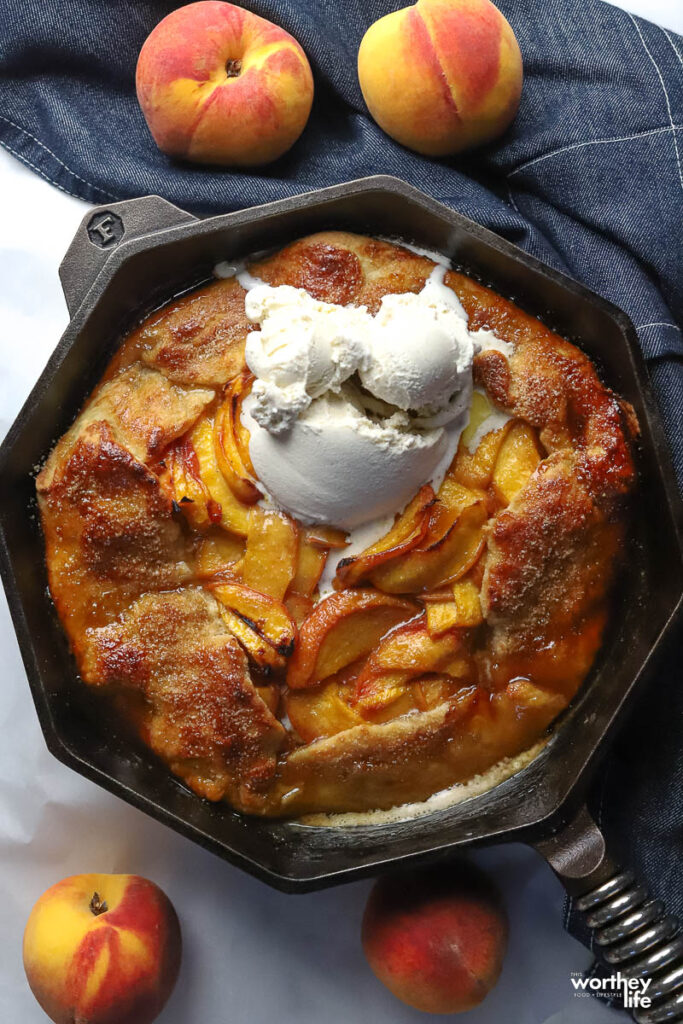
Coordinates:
<point>251,955</point>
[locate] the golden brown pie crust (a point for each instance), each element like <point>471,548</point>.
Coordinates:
<point>127,561</point>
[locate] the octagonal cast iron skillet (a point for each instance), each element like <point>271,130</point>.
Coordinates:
<point>128,259</point>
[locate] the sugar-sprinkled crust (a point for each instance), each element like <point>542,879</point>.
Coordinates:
<point>127,566</point>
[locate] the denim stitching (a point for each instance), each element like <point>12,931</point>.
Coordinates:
<point>25,160</point>
<point>54,155</point>
<point>673,45</point>
<point>592,142</point>
<point>658,323</point>
<point>512,201</point>
<point>666,97</point>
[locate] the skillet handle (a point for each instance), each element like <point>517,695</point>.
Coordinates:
<point>629,931</point>
<point>101,232</point>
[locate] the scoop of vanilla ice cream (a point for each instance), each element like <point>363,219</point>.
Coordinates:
<point>351,413</point>
<point>420,351</point>
<point>337,466</point>
<point>304,348</point>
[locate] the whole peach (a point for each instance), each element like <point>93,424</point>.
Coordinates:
<point>436,939</point>
<point>442,76</point>
<point>220,85</point>
<point>102,949</point>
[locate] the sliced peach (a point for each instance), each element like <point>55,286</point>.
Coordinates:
<point>229,442</point>
<point>258,621</point>
<point>270,695</point>
<point>182,480</point>
<point>234,512</point>
<point>467,604</point>
<point>442,561</point>
<point>258,649</point>
<point>411,649</point>
<point>299,606</point>
<point>455,496</point>
<point>441,616</point>
<point>270,560</point>
<point>431,690</point>
<point>267,616</point>
<point>198,486</point>
<point>407,652</point>
<point>408,530</point>
<point>327,536</point>
<point>241,434</point>
<point>518,457</point>
<point>481,408</point>
<point>311,559</point>
<point>384,691</point>
<point>475,469</point>
<point>342,628</point>
<point>324,710</point>
<point>218,554</point>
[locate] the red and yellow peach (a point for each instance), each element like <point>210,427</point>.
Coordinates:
<point>102,949</point>
<point>437,938</point>
<point>441,76</point>
<point>220,85</point>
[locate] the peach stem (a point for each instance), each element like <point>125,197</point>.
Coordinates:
<point>98,905</point>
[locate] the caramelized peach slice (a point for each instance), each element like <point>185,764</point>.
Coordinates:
<point>218,554</point>
<point>234,513</point>
<point>481,408</point>
<point>232,453</point>
<point>434,563</point>
<point>263,613</point>
<point>475,469</point>
<point>460,610</point>
<point>441,616</point>
<point>270,560</point>
<point>518,457</point>
<point>408,530</point>
<point>325,709</point>
<point>270,695</point>
<point>327,536</point>
<point>311,559</point>
<point>342,628</point>
<point>262,624</point>
<point>397,699</point>
<point>198,486</point>
<point>299,606</point>
<point>467,603</point>
<point>181,479</point>
<point>407,652</point>
<point>259,650</point>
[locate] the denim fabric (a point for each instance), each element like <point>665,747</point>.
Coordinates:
<point>589,178</point>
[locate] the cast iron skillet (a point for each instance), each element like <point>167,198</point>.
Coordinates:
<point>130,257</point>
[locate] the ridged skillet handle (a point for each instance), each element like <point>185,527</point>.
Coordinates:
<point>630,932</point>
<point>101,232</point>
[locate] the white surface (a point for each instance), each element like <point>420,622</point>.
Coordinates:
<point>667,13</point>
<point>250,955</point>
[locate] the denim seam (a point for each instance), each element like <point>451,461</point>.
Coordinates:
<point>594,142</point>
<point>512,201</point>
<point>39,171</point>
<point>673,45</point>
<point>666,97</point>
<point>85,181</point>
<point>658,323</point>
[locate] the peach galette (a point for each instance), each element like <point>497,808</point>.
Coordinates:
<point>450,643</point>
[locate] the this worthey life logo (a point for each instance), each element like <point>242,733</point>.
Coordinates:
<point>632,990</point>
